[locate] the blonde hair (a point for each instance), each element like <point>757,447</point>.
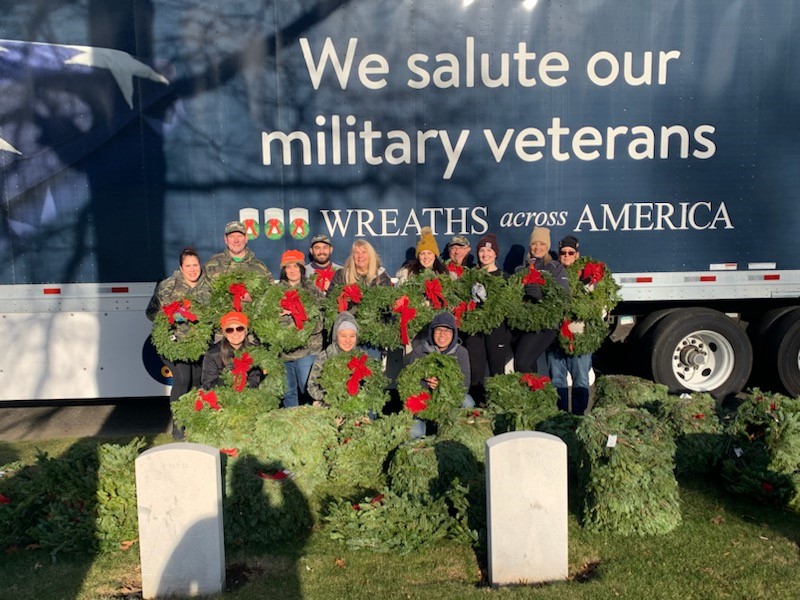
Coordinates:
<point>374,264</point>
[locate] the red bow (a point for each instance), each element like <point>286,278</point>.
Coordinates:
<point>298,228</point>
<point>209,398</point>
<point>349,292</point>
<point>4,499</point>
<point>240,368</point>
<point>238,290</point>
<point>359,370</point>
<point>699,416</point>
<point>593,271</point>
<point>234,452</point>
<point>433,291</point>
<point>454,268</point>
<point>533,276</point>
<point>323,276</point>
<point>276,476</point>
<point>463,307</point>
<point>567,333</point>
<point>291,301</point>
<point>274,227</point>
<point>418,403</point>
<point>181,308</point>
<point>533,381</point>
<point>406,313</point>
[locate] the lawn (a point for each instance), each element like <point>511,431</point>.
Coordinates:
<point>725,548</point>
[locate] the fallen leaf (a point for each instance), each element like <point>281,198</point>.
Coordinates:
<point>340,563</point>
<point>126,544</point>
<point>718,520</point>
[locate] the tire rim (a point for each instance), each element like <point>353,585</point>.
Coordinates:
<point>703,360</point>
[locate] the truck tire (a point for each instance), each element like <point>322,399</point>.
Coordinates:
<point>700,350</point>
<point>640,340</point>
<point>764,348</point>
<point>784,343</point>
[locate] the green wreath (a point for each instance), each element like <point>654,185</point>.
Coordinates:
<point>547,313</point>
<point>480,316</point>
<point>587,342</point>
<point>371,395</point>
<point>222,298</point>
<point>379,325</point>
<point>441,402</point>
<point>279,331</point>
<point>330,303</point>
<point>520,401</point>
<point>184,341</point>
<point>446,296</point>
<point>273,385</point>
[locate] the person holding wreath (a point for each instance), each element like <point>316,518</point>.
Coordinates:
<point>362,267</point>
<point>442,339</point>
<point>427,258</point>
<point>186,283</point>
<point>220,357</point>
<point>532,344</point>
<point>321,268</point>
<point>491,349</point>
<point>344,338</point>
<point>458,255</point>
<point>298,362</point>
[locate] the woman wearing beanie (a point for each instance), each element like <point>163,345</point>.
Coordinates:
<point>427,257</point>
<point>532,344</point>
<point>219,357</point>
<point>344,338</point>
<point>491,349</point>
<point>298,362</point>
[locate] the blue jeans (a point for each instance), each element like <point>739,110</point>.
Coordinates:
<point>297,372</point>
<point>561,363</point>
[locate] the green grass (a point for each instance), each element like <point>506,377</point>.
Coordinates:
<point>725,548</point>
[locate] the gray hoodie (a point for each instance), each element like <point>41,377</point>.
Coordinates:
<point>313,387</point>
<point>455,348</point>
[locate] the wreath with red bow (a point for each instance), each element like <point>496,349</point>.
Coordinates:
<point>182,331</point>
<point>228,293</point>
<point>354,384</point>
<point>342,298</point>
<point>283,333</point>
<point>388,318</point>
<point>527,315</point>
<point>520,401</point>
<point>438,404</point>
<point>482,301</point>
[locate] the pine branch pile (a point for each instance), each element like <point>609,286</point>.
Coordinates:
<point>627,390</point>
<point>516,405</point>
<point>697,429</point>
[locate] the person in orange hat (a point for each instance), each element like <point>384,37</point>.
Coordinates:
<point>219,357</point>
<point>298,362</point>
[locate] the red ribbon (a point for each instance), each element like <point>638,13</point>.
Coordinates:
<point>291,301</point>
<point>433,291</point>
<point>234,452</point>
<point>699,416</point>
<point>4,499</point>
<point>406,313</point>
<point>274,227</point>
<point>276,476</point>
<point>238,290</point>
<point>593,271</point>
<point>533,276</point>
<point>535,382</point>
<point>209,398</point>
<point>323,276</point>
<point>461,308</point>
<point>418,403</point>
<point>567,333</point>
<point>349,292</point>
<point>240,368</point>
<point>180,308</point>
<point>454,268</point>
<point>359,370</point>
<point>298,228</point>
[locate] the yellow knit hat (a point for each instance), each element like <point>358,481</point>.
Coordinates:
<point>427,241</point>
<point>541,234</point>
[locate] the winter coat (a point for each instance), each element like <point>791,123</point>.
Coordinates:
<point>455,349</point>
<point>213,368</point>
<point>313,387</point>
<point>224,263</point>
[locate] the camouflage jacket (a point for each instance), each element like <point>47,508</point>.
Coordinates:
<point>224,263</point>
<point>175,288</point>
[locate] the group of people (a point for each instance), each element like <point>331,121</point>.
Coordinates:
<point>477,354</point>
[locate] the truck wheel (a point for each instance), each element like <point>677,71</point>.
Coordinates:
<point>640,340</point>
<point>765,350</point>
<point>785,348</point>
<point>700,350</point>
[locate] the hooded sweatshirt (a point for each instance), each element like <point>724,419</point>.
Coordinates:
<point>312,387</point>
<point>455,348</point>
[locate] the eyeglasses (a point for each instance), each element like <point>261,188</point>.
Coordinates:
<point>567,252</point>
<point>238,329</point>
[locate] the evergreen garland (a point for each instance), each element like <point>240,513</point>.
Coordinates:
<point>516,405</point>
<point>222,298</point>
<point>547,313</point>
<point>184,341</point>
<point>630,486</point>
<point>277,331</point>
<point>448,395</point>
<point>379,324</point>
<point>371,394</point>
<point>480,316</point>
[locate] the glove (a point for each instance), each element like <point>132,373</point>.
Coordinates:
<point>588,286</point>
<point>478,293</point>
<point>577,327</point>
<point>533,291</point>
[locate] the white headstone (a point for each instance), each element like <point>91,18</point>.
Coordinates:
<point>179,498</point>
<point>526,508</point>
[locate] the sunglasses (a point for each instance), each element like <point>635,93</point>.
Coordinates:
<point>567,252</point>
<point>238,329</point>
